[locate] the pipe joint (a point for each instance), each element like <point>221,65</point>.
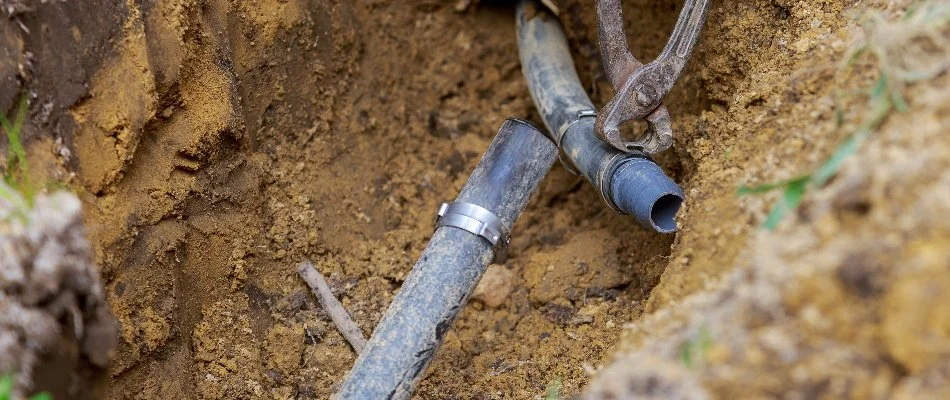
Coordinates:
<point>628,181</point>
<point>638,187</point>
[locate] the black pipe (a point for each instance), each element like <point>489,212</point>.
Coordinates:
<point>405,340</point>
<point>630,183</point>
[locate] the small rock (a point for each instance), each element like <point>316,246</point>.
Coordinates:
<point>562,314</point>
<point>495,286</point>
<point>462,5</point>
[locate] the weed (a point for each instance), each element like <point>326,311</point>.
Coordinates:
<point>890,44</point>
<point>793,190</point>
<point>17,174</point>
<point>20,207</point>
<point>6,390</point>
<point>554,390</point>
<point>694,350</point>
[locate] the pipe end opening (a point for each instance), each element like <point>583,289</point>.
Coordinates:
<point>663,212</point>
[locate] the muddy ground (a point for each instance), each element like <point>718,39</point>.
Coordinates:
<point>217,144</point>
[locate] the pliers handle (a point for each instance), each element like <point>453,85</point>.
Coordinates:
<point>640,89</point>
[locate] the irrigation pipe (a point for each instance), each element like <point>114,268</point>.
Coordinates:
<point>472,230</point>
<point>628,183</point>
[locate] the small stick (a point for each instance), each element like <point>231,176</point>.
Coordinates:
<point>346,326</point>
<point>552,5</point>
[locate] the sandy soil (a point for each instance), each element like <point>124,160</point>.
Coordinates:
<point>217,144</point>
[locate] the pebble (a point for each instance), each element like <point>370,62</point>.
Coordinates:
<point>495,286</point>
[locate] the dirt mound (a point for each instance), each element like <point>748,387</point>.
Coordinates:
<point>848,300</point>
<point>56,332</point>
<point>216,144</point>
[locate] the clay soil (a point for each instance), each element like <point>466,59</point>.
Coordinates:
<point>217,144</point>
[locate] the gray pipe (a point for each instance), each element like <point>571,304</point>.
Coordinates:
<point>629,183</point>
<point>405,340</point>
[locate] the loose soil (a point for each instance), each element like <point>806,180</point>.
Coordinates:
<point>217,144</point>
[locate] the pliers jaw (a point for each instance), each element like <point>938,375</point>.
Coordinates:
<point>658,136</point>
<point>640,89</point>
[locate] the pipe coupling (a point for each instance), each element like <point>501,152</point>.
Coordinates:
<point>476,220</point>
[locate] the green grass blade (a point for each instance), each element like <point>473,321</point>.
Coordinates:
<point>686,354</point>
<point>768,187</point>
<point>18,170</point>
<point>5,123</point>
<point>899,103</point>
<point>880,88</point>
<point>6,387</point>
<point>856,55</point>
<point>42,396</point>
<point>553,390</point>
<point>7,128</point>
<point>828,170</point>
<point>14,134</point>
<point>6,390</point>
<point>695,350</point>
<point>20,206</point>
<point>759,189</point>
<point>794,193</point>
<point>833,164</point>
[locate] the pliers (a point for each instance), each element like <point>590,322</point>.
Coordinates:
<point>640,89</point>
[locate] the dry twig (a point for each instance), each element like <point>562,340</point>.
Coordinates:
<point>345,324</point>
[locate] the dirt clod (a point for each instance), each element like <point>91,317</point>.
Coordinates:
<point>495,287</point>
<point>56,331</point>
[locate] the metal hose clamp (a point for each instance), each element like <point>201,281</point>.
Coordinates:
<point>581,114</point>
<point>476,220</point>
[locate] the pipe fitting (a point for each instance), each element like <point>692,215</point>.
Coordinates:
<point>639,188</point>
<point>629,182</point>
<point>407,337</point>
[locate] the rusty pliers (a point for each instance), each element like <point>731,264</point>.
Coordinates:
<point>640,89</point>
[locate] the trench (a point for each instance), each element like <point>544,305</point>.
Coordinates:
<point>278,131</point>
